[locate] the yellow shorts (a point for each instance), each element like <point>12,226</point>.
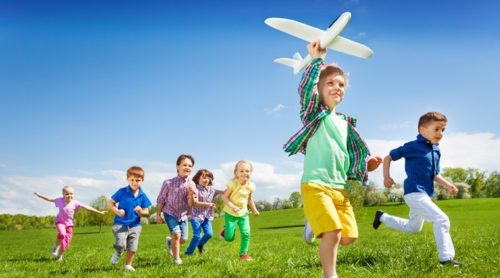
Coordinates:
<point>328,209</point>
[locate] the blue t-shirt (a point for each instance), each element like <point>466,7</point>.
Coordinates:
<point>421,164</point>
<point>127,201</point>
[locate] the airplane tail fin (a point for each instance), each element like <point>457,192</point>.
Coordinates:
<point>296,62</point>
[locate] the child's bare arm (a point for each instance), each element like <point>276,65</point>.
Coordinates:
<point>388,181</point>
<point>252,205</point>
<point>114,209</point>
<point>225,199</point>
<point>141,211</point>
<point>44,197</point>
<point>447,185</point>
<point>89,208</point>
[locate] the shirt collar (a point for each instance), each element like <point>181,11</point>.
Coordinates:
<point>422,139</point>
<point>128,190</point>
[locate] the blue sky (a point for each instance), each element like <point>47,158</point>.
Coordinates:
<point>89,88</point>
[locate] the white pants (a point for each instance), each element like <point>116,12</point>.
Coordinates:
<point>422,208</point>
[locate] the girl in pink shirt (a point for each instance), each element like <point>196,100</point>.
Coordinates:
<point>64,219</point>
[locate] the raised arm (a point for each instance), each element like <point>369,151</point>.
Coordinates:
<point>309,97</point>
<point>44,197</point>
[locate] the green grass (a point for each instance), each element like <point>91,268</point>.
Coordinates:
<point>277,249</point>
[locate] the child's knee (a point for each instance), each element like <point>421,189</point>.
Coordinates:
<point>208,235</point>
<point>347,240</point>
<point>120,245</point>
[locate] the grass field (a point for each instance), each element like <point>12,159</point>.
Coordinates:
<point>277,249</point>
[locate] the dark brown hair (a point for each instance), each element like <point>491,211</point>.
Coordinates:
<point>430,117</point>
<point>202,172</point>
<point>184,156</point>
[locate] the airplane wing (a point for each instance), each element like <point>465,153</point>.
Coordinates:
<point>295,28</point>
<point>350,47</point>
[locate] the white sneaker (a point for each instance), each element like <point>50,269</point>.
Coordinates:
<point>178,261</point>
<point>55,250</point>
<point>59,258</point>
<point>129,267</point>
<point>169,245</point>
<point>308,233</point>
<point>115,258</point>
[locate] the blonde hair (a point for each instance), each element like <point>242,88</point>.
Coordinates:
<point>65,189</point>
<point>242,162</point>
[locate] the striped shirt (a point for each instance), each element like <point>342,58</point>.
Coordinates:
<point>174,197</point>
<point>313,112</point>
<point>205,194</point>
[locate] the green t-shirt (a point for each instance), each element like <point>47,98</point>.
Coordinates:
<point>327,161</point>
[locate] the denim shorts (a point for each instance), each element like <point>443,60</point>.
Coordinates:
<point>176,226</point>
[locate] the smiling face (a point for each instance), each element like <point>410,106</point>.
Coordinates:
<point>204,180</point>
<point>242,172</point>
<point>184,168</point>
<point>331,89</point>
<point>134,182</point>
<point>433,131</point>
<point>68,194</point>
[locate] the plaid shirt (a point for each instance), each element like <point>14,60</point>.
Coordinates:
<point>311,114</point>
<point>174,197</point>
<point>205,194</point>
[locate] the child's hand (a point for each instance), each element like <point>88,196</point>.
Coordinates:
<point>138,210</point>
<point>373,163</point>
<point>235,208</point>
<point>159,220</point>
<point>452,189</point>
<point>120,212</point>
<point>256,212</point>
<point>315,50</point>
<point>102,212</point>
<point>388,182</point>
<point>211,205</point>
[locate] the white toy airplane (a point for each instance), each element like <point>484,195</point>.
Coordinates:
<point>328,39</point>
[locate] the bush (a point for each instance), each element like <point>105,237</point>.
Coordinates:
<point>374,198</point>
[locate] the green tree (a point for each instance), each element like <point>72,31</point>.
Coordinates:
<point>492,185</point>
<point>296,199</point>
<point>471,176</point>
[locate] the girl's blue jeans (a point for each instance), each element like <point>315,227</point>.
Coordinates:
<point>198,226</point>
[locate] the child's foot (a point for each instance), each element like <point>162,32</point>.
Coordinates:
<point>129,267</point>
<point>222,234</point>
<point>188,254</point>
<point>55,250</point>
<point>59,257</point>
<point>452,263</point>
<point>245,257</point>
<point>178,261</point>
<point>308,234</point>
<point>115,258</point>
<point>201,249</point>
<point>376,220</point>
<point>169,245</point>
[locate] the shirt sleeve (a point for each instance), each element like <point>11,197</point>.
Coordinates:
<point>117,196</point>
<point>398,153</point>
<point>146,203</point>
<point>163,193</point>
<point>309,96</point>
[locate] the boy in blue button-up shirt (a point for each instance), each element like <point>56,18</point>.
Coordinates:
<point>129,204</point>
<point>422,170</point>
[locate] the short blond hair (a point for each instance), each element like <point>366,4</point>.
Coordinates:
<point>65,189</point>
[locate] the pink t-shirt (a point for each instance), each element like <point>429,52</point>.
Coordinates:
<point>66,211</point>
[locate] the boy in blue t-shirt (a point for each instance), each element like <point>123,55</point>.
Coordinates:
<point>132,204</point>
<point>422,169</point>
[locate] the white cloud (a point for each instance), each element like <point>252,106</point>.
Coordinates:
<point>275,110</point>
<point>479,150</point>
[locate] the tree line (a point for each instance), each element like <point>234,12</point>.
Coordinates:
<point>471,183</point>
